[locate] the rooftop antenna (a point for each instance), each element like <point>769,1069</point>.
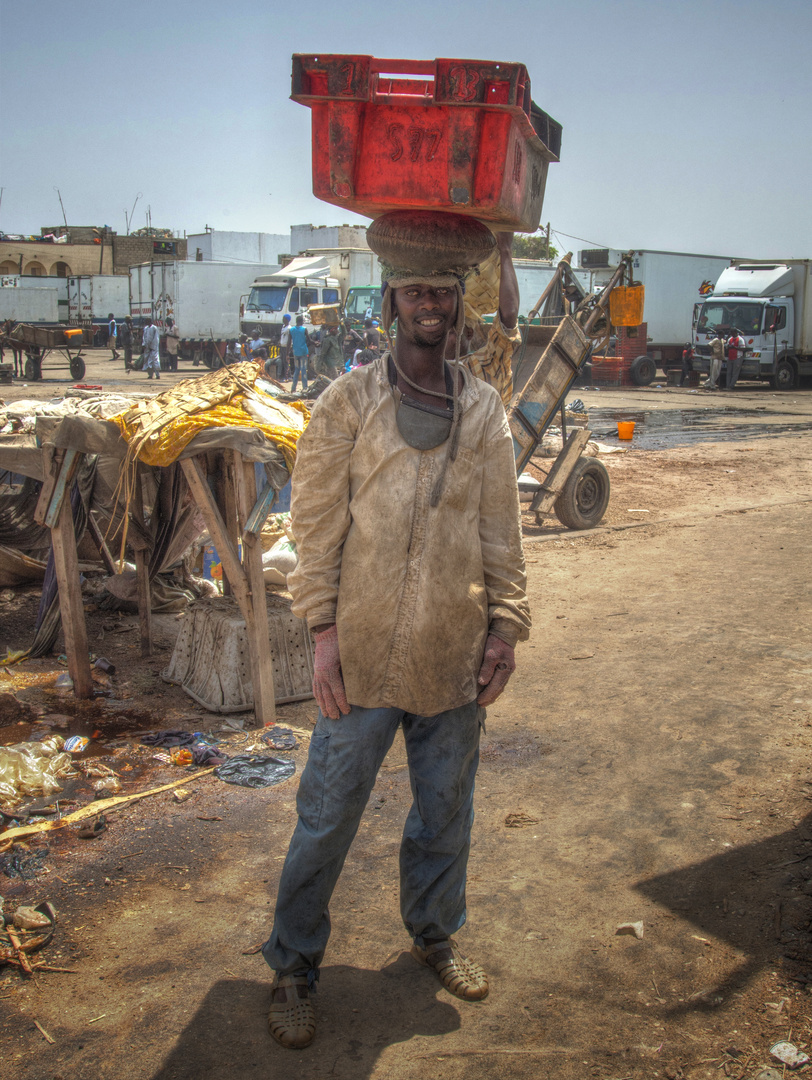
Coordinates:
<point>56,189</point>
<point>128,220</point>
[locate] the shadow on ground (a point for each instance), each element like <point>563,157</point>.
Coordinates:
<point>753,897</point>
<point>359,1014</point>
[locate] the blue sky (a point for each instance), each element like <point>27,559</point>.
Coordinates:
<point>686,125</point>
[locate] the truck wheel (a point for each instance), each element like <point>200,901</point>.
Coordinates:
<point>585,496</point>
<point>643,371</point>
<point>77,368</point>
<point>785,376</point>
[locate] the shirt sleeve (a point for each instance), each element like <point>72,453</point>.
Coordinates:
<point>500,535</point>
<point>320,506</point>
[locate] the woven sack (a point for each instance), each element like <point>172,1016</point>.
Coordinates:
<point>429,241</point>
<point>482,289</point>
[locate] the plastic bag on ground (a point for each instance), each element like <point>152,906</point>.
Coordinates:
<point>33,769</point>
<point>255,770</point>
<point>279,561</point>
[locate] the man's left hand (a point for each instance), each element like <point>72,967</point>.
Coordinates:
<point>498,664</point>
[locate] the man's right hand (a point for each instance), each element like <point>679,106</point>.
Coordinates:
<point>328,685</point>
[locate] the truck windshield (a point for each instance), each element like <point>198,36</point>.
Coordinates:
<point>267,298</point>
<point>728,315</point>
<point>359,302</point>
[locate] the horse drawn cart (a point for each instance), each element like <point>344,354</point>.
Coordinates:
<point>38,341</point>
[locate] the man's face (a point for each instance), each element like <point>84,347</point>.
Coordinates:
<point>425,313</point>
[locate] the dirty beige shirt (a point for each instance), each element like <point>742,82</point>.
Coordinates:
<point>413,588</point>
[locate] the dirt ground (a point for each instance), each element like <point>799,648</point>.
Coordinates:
<point>648,763</point>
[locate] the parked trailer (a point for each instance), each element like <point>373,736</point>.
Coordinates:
<point>92,297</point>
<point>770,305</point>
<point>201,297</point>
<point>33,300</point>
<point>673,281</point>
<point>38,341</point>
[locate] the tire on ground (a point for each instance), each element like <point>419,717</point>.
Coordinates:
<point>585,496</point>
<point>643,371</point>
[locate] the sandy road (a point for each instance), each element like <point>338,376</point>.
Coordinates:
<point>656,740</point>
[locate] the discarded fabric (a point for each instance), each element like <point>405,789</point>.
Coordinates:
<point>280,738</point>
<point>255,770</point>
<point>169,738</point>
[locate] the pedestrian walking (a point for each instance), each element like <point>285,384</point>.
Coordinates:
<point>151,345</point>
<point>112,334</point>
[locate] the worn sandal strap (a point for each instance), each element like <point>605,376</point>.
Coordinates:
<point>292,1022</point>
<point>462,977</point>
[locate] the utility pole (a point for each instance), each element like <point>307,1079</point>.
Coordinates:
<point>547,249</point>
<point>64,218</point>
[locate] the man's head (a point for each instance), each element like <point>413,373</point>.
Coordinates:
<point>111,316</point>
<point>170,322</point>
<point>300,320</point>
<point>367,324</point>
<point>128,320</point>
<point>425,313</point>
<point>285,320</point>
<point>255,334</point>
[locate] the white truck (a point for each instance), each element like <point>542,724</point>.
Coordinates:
<point>201,297</point>
<point>33,299</point>
<point>91,298</point>
<point>769,304</point>
<point>673,280</point>
<point>317,276</point>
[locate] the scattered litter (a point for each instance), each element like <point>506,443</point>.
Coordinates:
<point>203,754</point>
<point>520,820</point>
<point>95,1018</point>
<point>169,738</point>
<point>109,785</point>
<point>105,666</point>
<point>33,769</point>
<point>583,656</point>
<point>17,943</point>
<point>76,744</point>
<point>183,756</point>
<point>43,1032</point>
<point>638,511</point>
<point>633,929</point>
<point>703,940</point>
<point>63,681</point>
<point>791,1056</point>
<point>22,863</point>
<point>91,831</point>
<point>255,770</point>
<point>281,739</point>
<point>181,794</point>
<point>28,918</point>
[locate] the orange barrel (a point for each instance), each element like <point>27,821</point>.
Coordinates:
<point>626,305</point>
<point>462,136</point>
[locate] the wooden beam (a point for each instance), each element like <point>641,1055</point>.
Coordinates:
<point>199,487</point>
<point>66,564</point>
<point>142,572</point>
<point>101,544</point>
<point>256,618</point>
<point>544,501</point>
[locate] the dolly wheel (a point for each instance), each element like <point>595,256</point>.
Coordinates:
<point>585,496</point>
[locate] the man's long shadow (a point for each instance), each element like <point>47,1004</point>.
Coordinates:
<point>358,1012</point>
<point>751,897</point>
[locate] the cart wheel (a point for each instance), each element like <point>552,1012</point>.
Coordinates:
<point>585,496</point>
<point>32,369</point>
<point>77,368</point>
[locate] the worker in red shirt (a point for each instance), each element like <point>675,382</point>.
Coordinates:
<point>736,347</point>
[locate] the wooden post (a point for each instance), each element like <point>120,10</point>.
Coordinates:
<point>66,563</point>
<point>256,626</point>
<point>142,569</point>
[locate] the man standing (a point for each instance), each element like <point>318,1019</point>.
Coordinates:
<point>299,344</point>
<point>151,344</point>
<point>736,348</point>
<point>491,359</point>
<point>171,344</point>
<point>111,336</point>
<point>126,339</point>
<point>687,363</point>
<point>411,576</point>
<point>717,351</point>
<point>330,361</point>
<point>282,367</point>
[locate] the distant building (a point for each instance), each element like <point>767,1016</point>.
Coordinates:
<point>305,237</point>
<point>217,245</point>
<point>84,249</point>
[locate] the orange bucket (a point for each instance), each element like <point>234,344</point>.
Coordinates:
<point>625,429</point>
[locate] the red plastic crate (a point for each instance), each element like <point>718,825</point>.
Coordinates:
<point>463,136</point>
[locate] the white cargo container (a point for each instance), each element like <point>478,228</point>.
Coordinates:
<point>201,297</point>
<point>674,281</point>
<point>29,300</point>
<point>769,304</point>
<point>92,297</point>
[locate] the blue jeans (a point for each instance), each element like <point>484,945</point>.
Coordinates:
<point>300,368</point>
<point>344,758</point>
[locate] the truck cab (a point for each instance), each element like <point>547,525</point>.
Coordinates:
<point>289,291</point>
<point>360,300</point>
<point>755,301</point>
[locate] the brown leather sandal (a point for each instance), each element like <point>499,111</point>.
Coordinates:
<point>461,977</point>
<point>292,1022</point>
